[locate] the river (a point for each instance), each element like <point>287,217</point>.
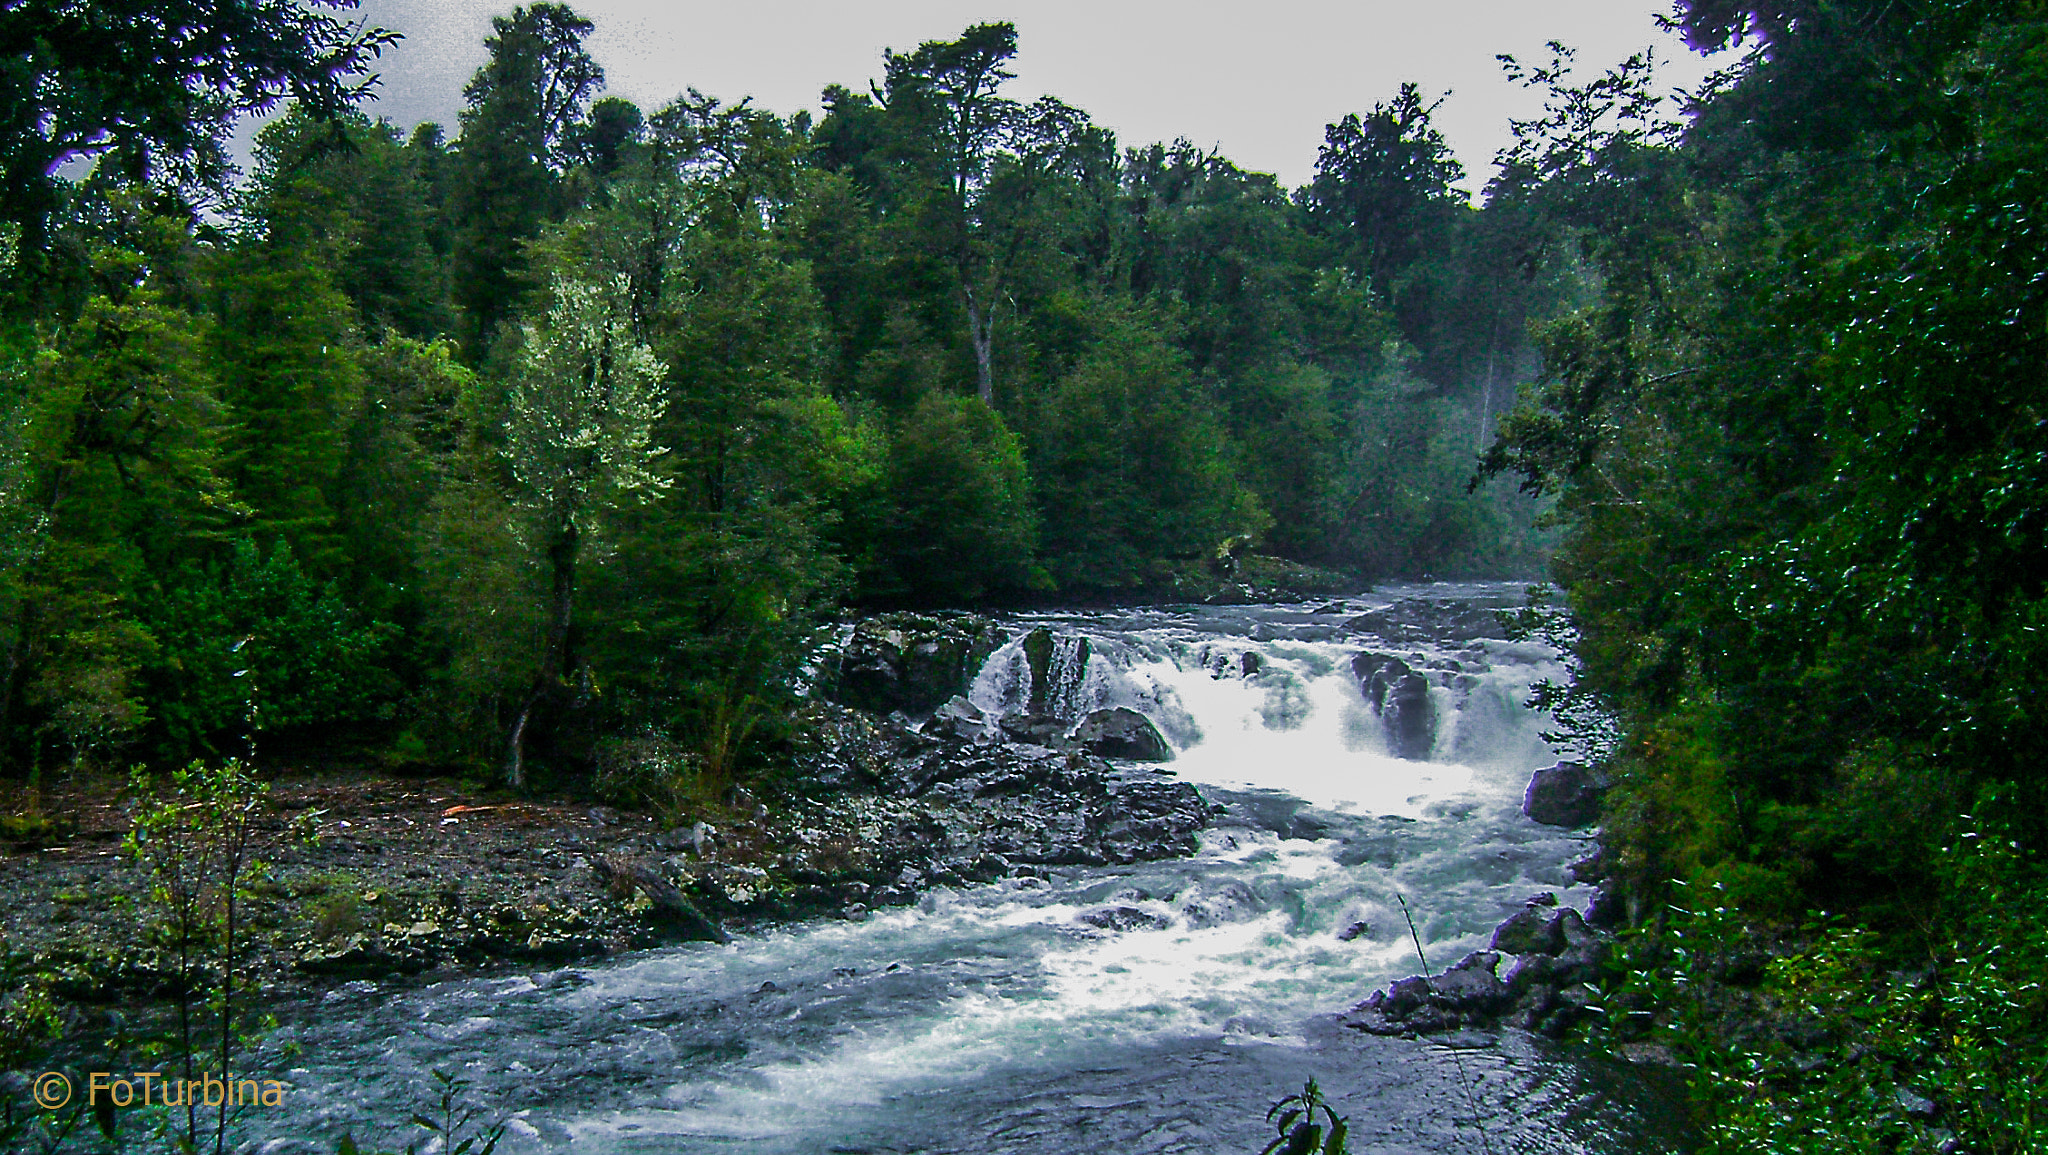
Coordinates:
<point>1156,1007</point>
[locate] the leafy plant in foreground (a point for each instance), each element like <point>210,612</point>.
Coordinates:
<point>196,843</point>
<point>453,1123</point>
<point>1307,1125</point>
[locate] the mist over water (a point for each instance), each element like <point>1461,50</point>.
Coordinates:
<point>1155,1007</point>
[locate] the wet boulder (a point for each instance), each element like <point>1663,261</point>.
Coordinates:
<point>1567,794</point>
<point>1468,994</point>
<point>1553,991</point>
<point>1036,730</point>
<point>1146,820</point>
<point>1410,718</point>
<point>1540,928</point>
<point>1531,930</point>
<point>1377,674</point>
<point>909,662</point>
<point>1121,732</point>
<point>958,719</point>
<point>1217,903</point>
<point>1400,696</point>
<point>1122,918</point>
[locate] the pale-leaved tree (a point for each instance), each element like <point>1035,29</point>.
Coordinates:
<point>584,402</point>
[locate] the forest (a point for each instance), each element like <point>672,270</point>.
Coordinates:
<point>577,420</point>
<point>487,444</point>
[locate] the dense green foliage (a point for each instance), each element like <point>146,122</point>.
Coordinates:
<point>1799,442</point>
<point>574,428</point>
<point>571,430</point>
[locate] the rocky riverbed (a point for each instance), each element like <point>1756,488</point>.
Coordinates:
<point>407,876</point>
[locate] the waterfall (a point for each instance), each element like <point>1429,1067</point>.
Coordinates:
<point>1156,1006</point>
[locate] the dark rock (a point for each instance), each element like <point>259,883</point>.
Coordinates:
<point>1035,730</point>
<point>1606,909</point>
<point>958,719</point>
<point>1120,732</point>
<point>1567,794</point>
<point>1356,930</point>
<point>1122,918</point>
<point>955,813</point>
<point>1530,932</point>
<point>909,662</point>
<point>1592,868</point>
<point>1377,673</point>
<point>1410,718</point>
<point>1468,994</point>
<point>1249,663</point>
<point>1400,696</point>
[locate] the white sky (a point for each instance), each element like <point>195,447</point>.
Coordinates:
<point>1257,80</point>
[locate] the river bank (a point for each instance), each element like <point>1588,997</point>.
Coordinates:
<point>954,903</point>
<point>411,876</point>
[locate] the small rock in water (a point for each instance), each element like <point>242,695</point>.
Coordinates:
<point>1356,930</point>
<point>1207,905</point>
<point>1122,918</point>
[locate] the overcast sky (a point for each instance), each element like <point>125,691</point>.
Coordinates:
<point>1258,80</point>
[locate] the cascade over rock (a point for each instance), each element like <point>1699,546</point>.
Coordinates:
<point>1400,696</point>
<point>1058,664</point>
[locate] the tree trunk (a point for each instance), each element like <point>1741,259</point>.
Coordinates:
<point>981,333</point>
<point>10,681</point>
<point>554,654</point>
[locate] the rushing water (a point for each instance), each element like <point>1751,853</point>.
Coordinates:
<point>1158,1007</point>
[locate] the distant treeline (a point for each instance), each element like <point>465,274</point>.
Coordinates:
<point>575,420</point>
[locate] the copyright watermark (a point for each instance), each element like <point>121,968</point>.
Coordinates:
<point>53,1090</point>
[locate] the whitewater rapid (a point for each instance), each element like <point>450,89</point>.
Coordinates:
<point>1155,1007</point>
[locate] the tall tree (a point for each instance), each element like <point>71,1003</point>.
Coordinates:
<point>517,120</point>
<point>1385,189</point>
<point>579,440</point>
<point>116,480</point>
<point>984,164</point>
<point>160,84</point>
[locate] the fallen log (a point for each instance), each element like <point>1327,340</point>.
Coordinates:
<point>623,876</point>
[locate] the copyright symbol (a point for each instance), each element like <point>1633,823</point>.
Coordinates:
<point>52,1090</point>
